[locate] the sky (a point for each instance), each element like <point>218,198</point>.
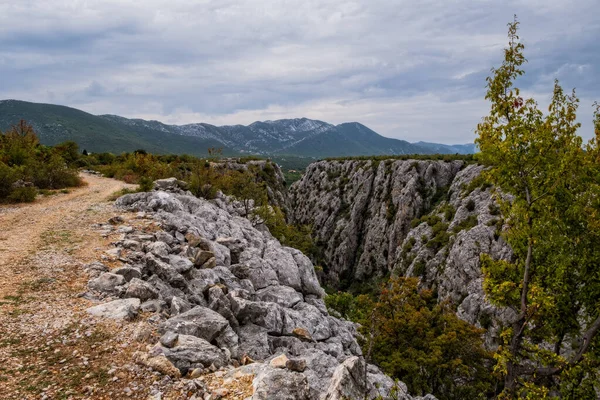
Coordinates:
<point>412,70</point>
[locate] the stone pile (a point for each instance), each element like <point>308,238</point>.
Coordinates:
<point>227,295</point>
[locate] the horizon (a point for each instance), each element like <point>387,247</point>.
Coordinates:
<point>413,72</point>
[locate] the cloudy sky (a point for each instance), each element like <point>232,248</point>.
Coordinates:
<point>408,69</point>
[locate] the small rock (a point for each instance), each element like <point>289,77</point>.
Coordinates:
<point>202,257</point>
<point>114,253</point>
<point>169,339</point>
<point>117,219</point>
<point>141,289</point>
<point>302,334</point>
<point>142,332</point>
<point>125,229</point>
<point>158,363</point>
<point>196,373</point>
<point>218,394</point>
<point>211,263</point>
<point>107,282</point>
<point>246,360</point>
<point>279,361</point>
<point>128,272</point>
<point>298,365</point>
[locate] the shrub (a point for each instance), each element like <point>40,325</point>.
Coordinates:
<point>414,338</point>
<point>8,176</point>
<point>470,205</point>
<point>466,224</point>
<point>145,184</point>
<point>22,195</point>
<point>22,157</point>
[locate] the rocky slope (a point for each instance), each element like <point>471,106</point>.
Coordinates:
<point>430,219</point>
<point>225,294</point>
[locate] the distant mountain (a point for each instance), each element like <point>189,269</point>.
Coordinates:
<point>437,148</point>
<point>300,137</point>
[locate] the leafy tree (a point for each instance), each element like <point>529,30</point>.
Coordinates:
<point>553,227</point>
<point>420,341</point>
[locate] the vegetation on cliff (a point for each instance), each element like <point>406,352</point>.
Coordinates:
<point>417,339</point>
<point>553,226</point>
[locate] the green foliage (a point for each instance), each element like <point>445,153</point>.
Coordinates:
<point>344,304</point>
<point>390,211</point>
<point>470,206</point>
<point>22,195</point>
<point>419,268</point>
<point>448,210</point>
<point>145,184</point>
<point>296,236</point>
<point>466,224</point>
<point>553,227</point>
<point>22,158</point>
<point>419,341</point>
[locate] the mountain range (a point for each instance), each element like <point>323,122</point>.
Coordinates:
<point>300,137</point>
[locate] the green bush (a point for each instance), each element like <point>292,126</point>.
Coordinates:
<point>22,157</point>
<point>8,176</point>
<point>145,184</point>
<point>22,195</point>
<point>470,205</point>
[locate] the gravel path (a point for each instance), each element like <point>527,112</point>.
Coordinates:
<point>25,228</point>
<point>50,348</point>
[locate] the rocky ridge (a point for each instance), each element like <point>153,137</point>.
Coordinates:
<point>227,296</point>
<point>430,219</point>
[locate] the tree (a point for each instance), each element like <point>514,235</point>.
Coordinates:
<point>552,282</point>
<point>420,341</point>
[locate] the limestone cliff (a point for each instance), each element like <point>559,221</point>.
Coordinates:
<point>428,218</point>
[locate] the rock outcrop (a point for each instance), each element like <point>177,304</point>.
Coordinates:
<point>361,210</point>
<point>224,293</point>
<point>431,219</point>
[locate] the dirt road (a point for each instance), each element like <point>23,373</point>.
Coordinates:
<point>49,347</point>
<point>25,228</point>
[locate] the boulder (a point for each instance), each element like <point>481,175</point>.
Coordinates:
<point>181,264</point>
<point>179,306</point>
<point>296,364</point>
<point>285,296</point>
<point>279,361</point>
<point>280,384</point>
<point>166,292</point>
<point>348,381</point>
<point>158,363</point>
<point>107,282</point>
<point>254,342</point>
<point>170,185</point>
<point>162,236</point>
<point>95,269</point>
<point>128,272</point>
<point>204,323</point>
<point>141,289</point>
<point>191,352</point>
<point>123,309</point>
<point>165,272</point>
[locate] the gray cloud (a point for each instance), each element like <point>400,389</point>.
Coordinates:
<point>412,70</point>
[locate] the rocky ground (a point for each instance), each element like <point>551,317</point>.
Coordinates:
<point>50,347</point>
<point>165,297</point>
